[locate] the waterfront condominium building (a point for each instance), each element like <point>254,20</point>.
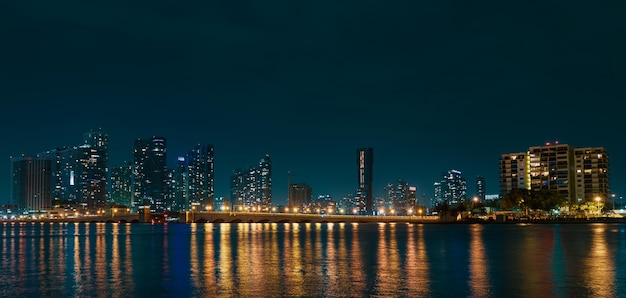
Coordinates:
<point>578,174</point>
<point>591,174</point>
<point>365,164</point>
<point>514,171</point>
<point>150,173</point>
<point>251,189</point>
<point>31,177</point>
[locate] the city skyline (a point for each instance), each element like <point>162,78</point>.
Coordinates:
<point>430,86</point>
<point>426,197</point>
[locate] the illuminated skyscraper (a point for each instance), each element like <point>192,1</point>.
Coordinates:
<point>150,173</point>
<point>178,187</point>
<point>31,183</point>
<point>400,197</point>
<point>200,171</point>
<point>452,188</point>
<point>99,140</point>
<point>79,177</point>
<point>265,182</point>
<point>251,189</point>
<point>121,185</point>
<point>365,163</point>
<point>480,188</point>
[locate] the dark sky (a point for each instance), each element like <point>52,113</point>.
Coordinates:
<point>430,85</point>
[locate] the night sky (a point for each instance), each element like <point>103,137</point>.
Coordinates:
<point>430,85</point>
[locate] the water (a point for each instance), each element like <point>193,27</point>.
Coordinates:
<point>312,260</point>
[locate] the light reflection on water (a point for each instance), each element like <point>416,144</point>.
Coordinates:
<point>311,260</point>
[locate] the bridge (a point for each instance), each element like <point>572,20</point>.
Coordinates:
<point>263,217</point>
<point>239,217</point>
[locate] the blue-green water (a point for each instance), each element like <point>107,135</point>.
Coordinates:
<point>312,260</point>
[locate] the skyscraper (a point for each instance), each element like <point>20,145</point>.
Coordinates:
<point>265,181</point>
<point>150,173</point>
<point>92,175</point>
<point>365,163</point>
<point>300,195</point>
<point>99,140</point>
<point>200,170</point>
<point>121,185</point>
<point>238,189</point>
<point>400,197</point>
<point>251,189</point>
<point>178,187</point>
<point>480,189</point>
<point>452,188</point>
<point>31,183</point>
<point>79,177</point>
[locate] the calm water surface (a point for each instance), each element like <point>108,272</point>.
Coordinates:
<point>312,260</point>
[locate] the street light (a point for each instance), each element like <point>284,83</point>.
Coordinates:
<point>598,205</point>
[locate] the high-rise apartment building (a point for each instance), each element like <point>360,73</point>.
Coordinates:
<point>591,174</point>
<point>31,183</point>
<point>365,164</point>
<point>514,171</point>
<point>251,189</point>
<point>150,173</point>
<point>578,174</point>
<point>550,168</point>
